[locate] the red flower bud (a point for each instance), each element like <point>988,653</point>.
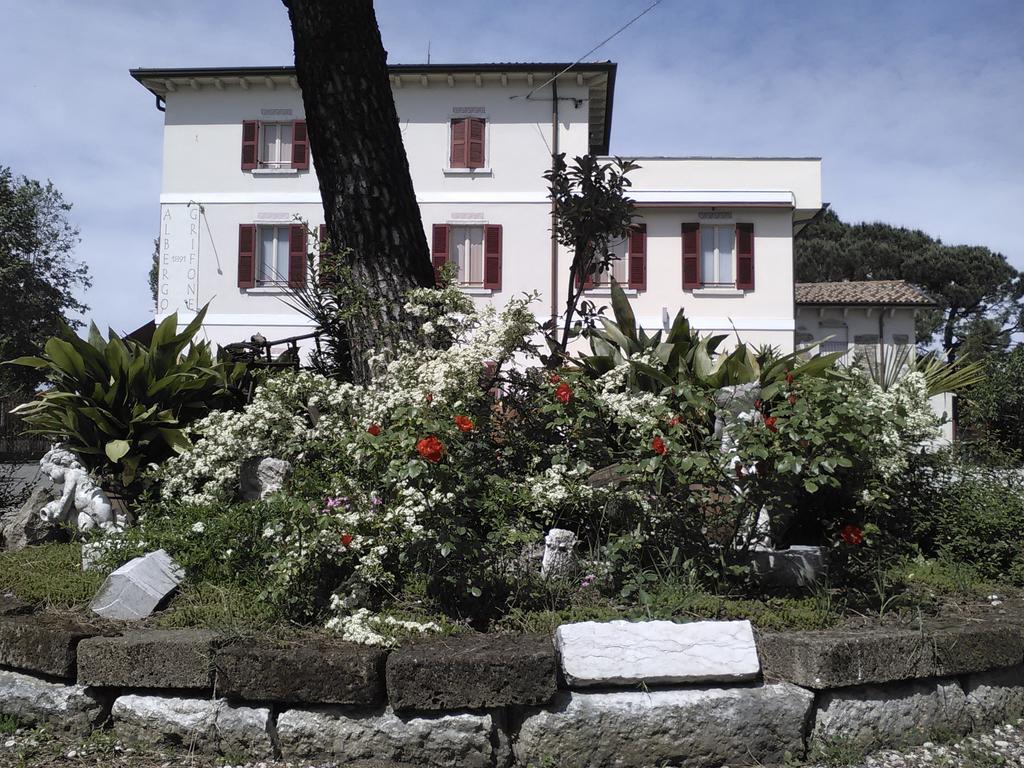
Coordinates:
<point>852,535</point>
<point>769,422</point>
<point>790,377</point>
<point>554,378</point>
<point>563,393</point>
<point>792,399</point>
<point>346,540</point>
<point>658,446</point>
<point>429,398</point>
<point>464,423</point>
<point>674,421</point>
<point>757,405</point>
<point>373,429</point>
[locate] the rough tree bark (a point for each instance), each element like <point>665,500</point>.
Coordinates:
<point>356,144</point>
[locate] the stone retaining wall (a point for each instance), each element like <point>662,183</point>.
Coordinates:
<point>492,701</point>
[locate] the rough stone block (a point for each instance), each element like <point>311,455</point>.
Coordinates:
<point>472,672</point>
<point>154,658</point>
<point>41,644</point>
<point>12,606</point>
<point>656,652</point>
<point>963,648</point>
<point>995,697</point>
<point>205,725</point>
<point>840,658</point>
<point>897,715</point>
<point>686,727</point>
<point>321,672</point>
<point>32,701</point>
<point>798,566</point>
<point>453,739</point>
<point>134,590</point>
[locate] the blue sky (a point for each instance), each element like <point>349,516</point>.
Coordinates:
<point>916,106</point>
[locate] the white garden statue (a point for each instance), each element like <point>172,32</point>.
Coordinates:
<point>559,558</point>
<point>81,502</point>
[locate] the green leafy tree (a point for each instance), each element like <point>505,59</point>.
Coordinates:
<point>592,213</point>
<point>994,407</point>
<point>977,291</point>
<point>39,278</point>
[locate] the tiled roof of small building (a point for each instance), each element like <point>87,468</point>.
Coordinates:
<point>873,292</point>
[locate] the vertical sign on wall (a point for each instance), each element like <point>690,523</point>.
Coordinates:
<point>179,259</point>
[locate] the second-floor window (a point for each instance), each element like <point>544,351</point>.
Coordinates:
<point>468,136</point>
<point>475,248</point>
<point>272,256</point>
<point>275,145</point>
<point>717,256</point>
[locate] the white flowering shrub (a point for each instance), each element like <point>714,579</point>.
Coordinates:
<point>442,476</point>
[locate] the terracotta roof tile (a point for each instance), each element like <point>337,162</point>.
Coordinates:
<point>889,292</point>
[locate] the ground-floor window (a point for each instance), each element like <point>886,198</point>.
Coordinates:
<point>272,258</point>
<point>466,248</point>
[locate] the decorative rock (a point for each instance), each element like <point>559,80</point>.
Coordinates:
<point>687,727</point>
<point>655,652</point>
<point>135,589</point>
<point>321,672</point>
<point>891,715</point>
<point>155,658</point>
<point>260,477</point>
<point>30,700</point>
<point>462,739</point>
<point>43,645</point>
<point>24,527</point>
<point>559,558</point>
<point>472,672</point>
<point>204,724</point>
<point>798,566</point>
<point>995,697</point>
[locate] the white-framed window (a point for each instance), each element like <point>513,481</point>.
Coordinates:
<point>466,248</point>
<point>618,268</point>
<point>718,255</point>
<point>275,145</point>
<point>272,255</point>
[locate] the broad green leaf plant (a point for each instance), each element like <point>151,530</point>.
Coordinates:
<point>122,405</point>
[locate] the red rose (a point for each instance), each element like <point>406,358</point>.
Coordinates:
<point>464,423</point>
<point>658,446</point>
<point>430,448</point>
<point>554,378</point>
<point>674,421</point>
<point>769,422</point>
<point>373,429</point>
<point>790,377</point>
<point>346,540</point>
<point>792,399</point>
<point>563,393</point>
<point>852,535</point>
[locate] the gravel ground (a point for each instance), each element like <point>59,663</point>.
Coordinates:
<point>41,748</point>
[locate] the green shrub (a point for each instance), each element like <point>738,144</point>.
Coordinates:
<point>121,405</point>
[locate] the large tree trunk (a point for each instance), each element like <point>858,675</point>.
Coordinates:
<point>356,144</point>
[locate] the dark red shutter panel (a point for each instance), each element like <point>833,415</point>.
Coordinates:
<point>439,250</point>
<point>296,256</point>
<point>250,144</point>
<point>246,255</point>
<point>459,143</point>
<point>475,153</point>
<point>691,255</point>
<point>300,146</point>
<point>492,257</point>
<point>745,257</point>
<point>637,257</point>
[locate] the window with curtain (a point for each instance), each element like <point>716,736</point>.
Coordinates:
<point>273,256</point>
<point>718,255</point>
<point>467,250</point>
<point>276,145</point>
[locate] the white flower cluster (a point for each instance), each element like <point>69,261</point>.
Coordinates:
<point>368,628</point>
<point>560,487</point>
<point>635,410</point>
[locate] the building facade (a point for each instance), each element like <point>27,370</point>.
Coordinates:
<point>714,236</point>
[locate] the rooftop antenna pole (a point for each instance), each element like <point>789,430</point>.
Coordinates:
<point>428,51</point>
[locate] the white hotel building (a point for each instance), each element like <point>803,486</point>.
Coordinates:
<point>714,235</point>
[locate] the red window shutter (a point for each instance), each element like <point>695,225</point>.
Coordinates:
<point>246,255</point>
<point>300,145</point>
<point>439,250</point>
<point>296,256</point>
<point>691,255</point>
<point>459,143</point>
<point>745,257</point>
<point>492,257</point>
<point>250,144</point>
<point>637,257</point>
<point>475,152</point>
